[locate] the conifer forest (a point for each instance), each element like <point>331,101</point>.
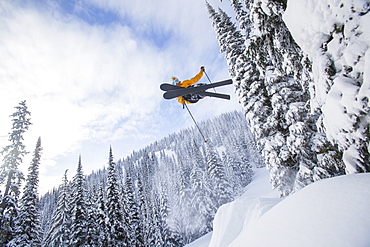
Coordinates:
<point>167,194</point>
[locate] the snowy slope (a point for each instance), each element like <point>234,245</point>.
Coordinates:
<point>331,212</point>
<point>237,216</point>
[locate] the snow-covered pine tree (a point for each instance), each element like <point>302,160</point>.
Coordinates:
<point>170,238</point>
<point>220,186</point>
<point>341,92</point>
<point>231,41</point>
<point>28,228</point>
<point>155,229</point>
<point>183,205</point>
<point>59,233</point>
<point>10,173</point>
<point>146,188</point>
<point>165,185</point>
<point>92,212</point>
<point>131,210</point>
<point>239,171</point>
<point>117,230</point>
<point>290,72</point>
<point>79,209</point>
<point>267,46</point>
<point>242,15</point>
<point>232,172</point>
<point>248,84</point>
<point>47,204</point>
<point>101,218</point>
<point>272,79</point>
<point>141,200</point>
<point>201,198</point>
<point>241,152</point>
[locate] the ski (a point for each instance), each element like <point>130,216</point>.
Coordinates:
<point>216,95</point>
<point>173,91</point>
<point>169,87</point>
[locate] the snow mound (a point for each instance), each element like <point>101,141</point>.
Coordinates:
<point>331,212</point>
<point>237,216</point>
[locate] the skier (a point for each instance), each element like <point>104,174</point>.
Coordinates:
<point>189,98</point>
<point>189,92</point>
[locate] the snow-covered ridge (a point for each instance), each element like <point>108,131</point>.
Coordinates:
<point>330,212</point>
<point>234,218</point>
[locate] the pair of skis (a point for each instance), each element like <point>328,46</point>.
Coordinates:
<point>173,91</point>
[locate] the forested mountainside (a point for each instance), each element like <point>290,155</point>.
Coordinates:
<point>301,72</point>
<point>163,195</point>
<point>306,98</point>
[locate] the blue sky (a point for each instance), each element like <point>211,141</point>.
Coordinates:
<point>90,71</point>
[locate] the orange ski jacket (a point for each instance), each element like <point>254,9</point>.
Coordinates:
<point>188,83</point>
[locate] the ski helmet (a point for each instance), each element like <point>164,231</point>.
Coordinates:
<point>175,80</point>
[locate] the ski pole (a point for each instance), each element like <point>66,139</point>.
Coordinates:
<point>191,115</point>
<point>209,79</point>
<point>207,76</point>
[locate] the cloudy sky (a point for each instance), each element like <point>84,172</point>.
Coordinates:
<point>90,72</point>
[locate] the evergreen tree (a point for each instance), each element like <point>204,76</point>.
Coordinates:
<point>220,186</point>
<point>231,41</point>
<point>289,82</point>
<point>248,83</point>
<point>10,174</point>
<point>169,237</point>
<point>241,164</point>
<point>131,209</point>
<point>79,209</point>
<point>47,204</point>
<point>92,212</point>
<point>173,193</point>
<point>340,88</point>
<point>28,230</point>
<point>101,218</point>
<point>155,228</point>
<point>279,58</point>
<point>272,78</point>
<point>142,202</point>
<point>59,233</point>
<point>173,238</point>
<point>242,16</point>
<point>202,205</point>
<point>117,230</point>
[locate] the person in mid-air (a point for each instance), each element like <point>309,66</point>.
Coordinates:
<point>189,98</point>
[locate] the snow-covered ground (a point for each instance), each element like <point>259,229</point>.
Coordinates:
<point>330,212</point>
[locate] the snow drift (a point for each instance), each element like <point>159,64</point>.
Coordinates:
<point>330,212</point>
<point>233,218</point>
